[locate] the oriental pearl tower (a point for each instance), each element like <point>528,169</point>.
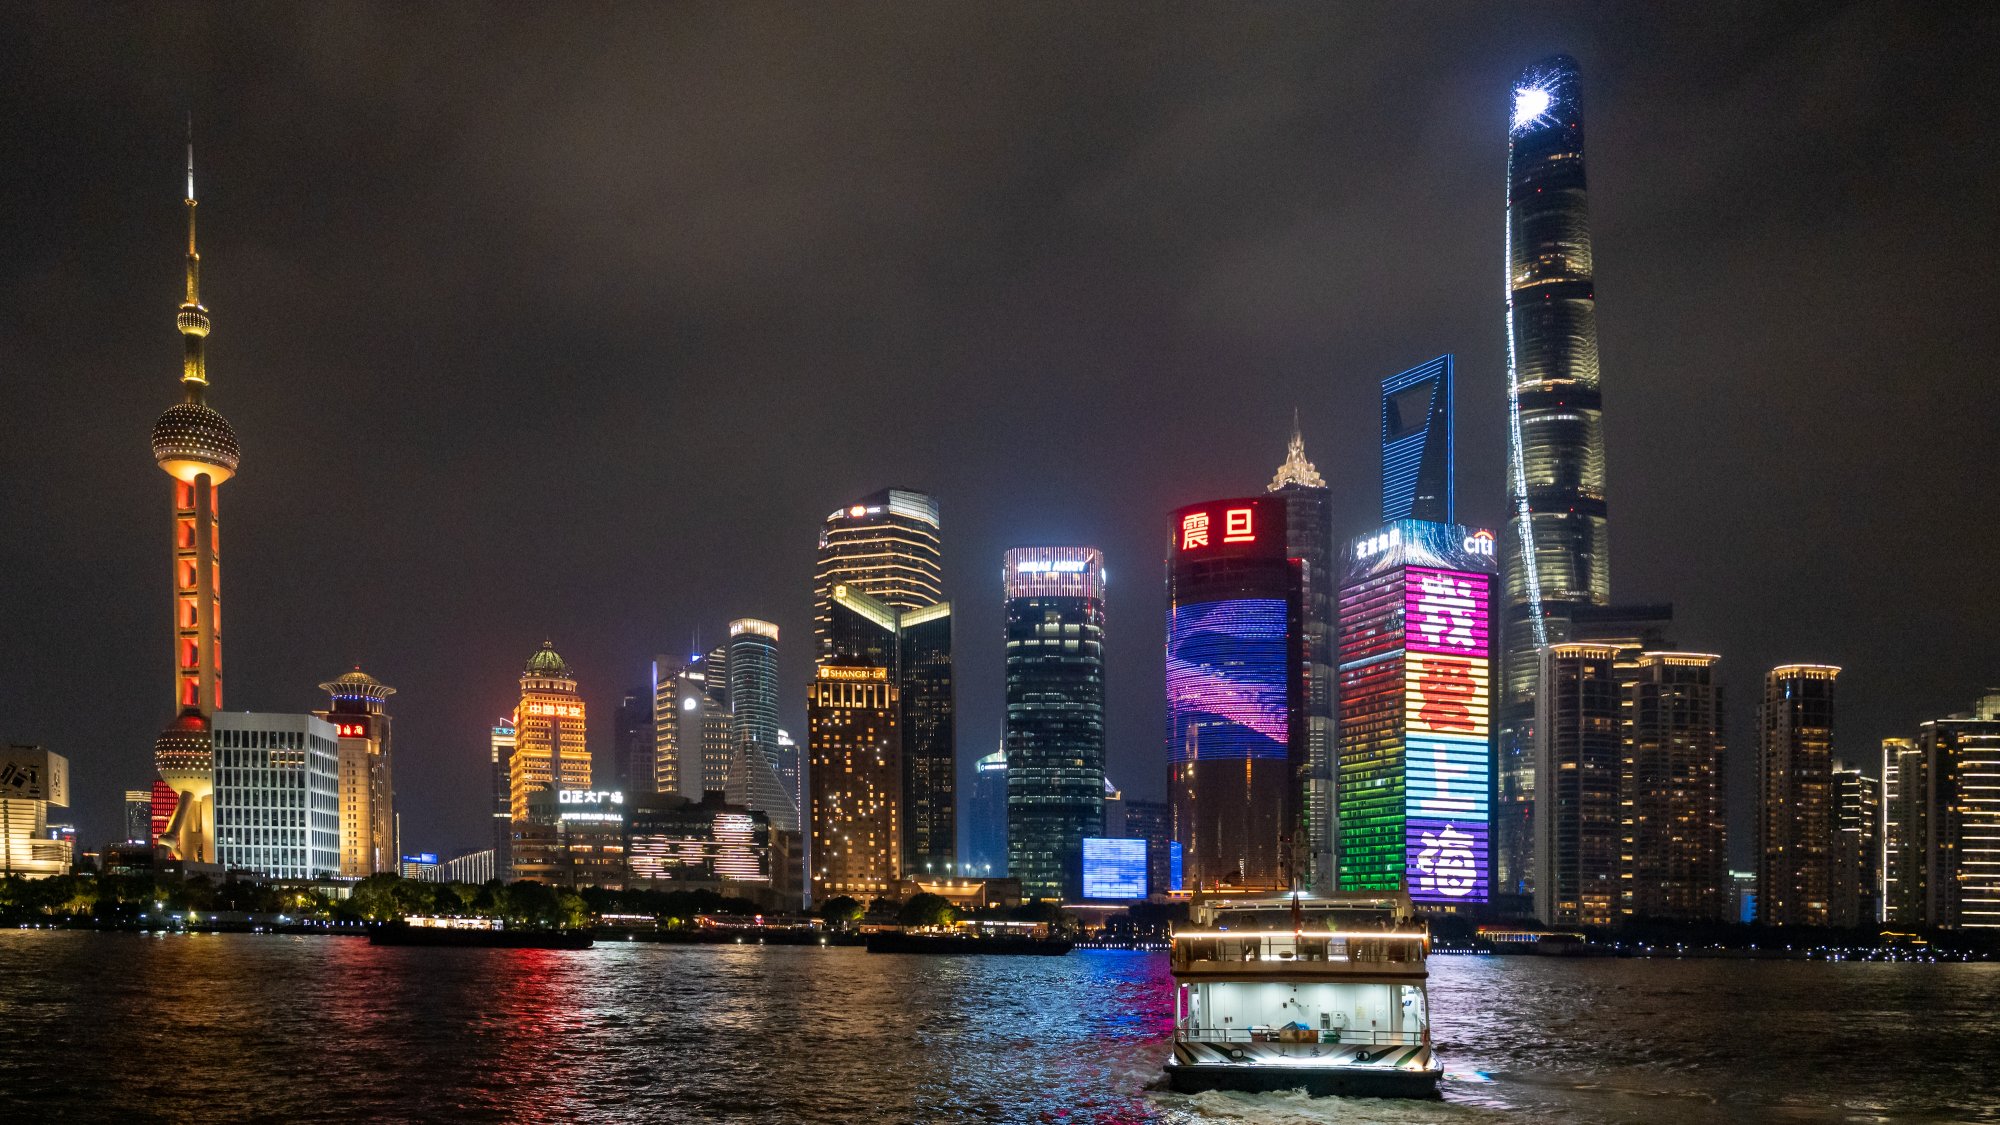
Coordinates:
<point>196,447</point>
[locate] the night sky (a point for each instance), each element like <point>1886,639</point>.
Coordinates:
<point>574,321</point>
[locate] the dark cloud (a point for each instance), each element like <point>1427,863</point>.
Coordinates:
<point>572,321</point>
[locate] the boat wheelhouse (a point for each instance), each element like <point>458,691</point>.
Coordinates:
<point>1289,992</point>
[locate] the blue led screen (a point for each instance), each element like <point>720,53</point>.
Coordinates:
<point>1226,680</point>
<point>1114,868</point>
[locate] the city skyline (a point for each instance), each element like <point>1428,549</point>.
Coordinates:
<point>445,449</point>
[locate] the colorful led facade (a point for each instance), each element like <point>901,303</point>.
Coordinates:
<point>197,447</point>
<point>1416,689</point>
<point>1237,698</point>
<point>1113,868</point>
<point>549,750</point>
<point>1558,551</point>
<point>1054,734</point>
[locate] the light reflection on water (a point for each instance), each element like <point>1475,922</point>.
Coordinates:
<point>108,1026</point>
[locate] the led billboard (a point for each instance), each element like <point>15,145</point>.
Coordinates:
<point>1447,728</point>
<point>1114,869</point>
<point>1226,680</point>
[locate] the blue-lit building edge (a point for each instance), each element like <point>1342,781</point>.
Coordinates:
<point>1404,458</point>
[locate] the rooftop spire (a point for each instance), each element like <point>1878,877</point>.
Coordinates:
<point>193,318</point>
<point>1296,470</point>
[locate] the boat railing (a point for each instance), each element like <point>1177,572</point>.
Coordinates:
<point>1281,948</point>
<point>1370,1037</point>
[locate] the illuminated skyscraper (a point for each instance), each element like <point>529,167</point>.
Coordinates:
<point>1416,690</point>
<point>1055,714</point>
<point>754,779</point>
<point>1557,551</point>
<point>884,545</point>
<point>1903,832</point>
<point>692,744</point>
<point>196,447</point>
<point>1417,478</point>
<point>1675,846</point>
<point>1579,748</point>
<point>856,781</point>
<point>1857,848</point>
<point>1795,814</point>
<point>1236,695</point>
<point>1943,813</point>
<point>368,842</point>
<point>549,750</point>
<point>884,549</point>
<point>1309,539</point>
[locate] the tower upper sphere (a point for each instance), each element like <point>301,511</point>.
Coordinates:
<point>190,439</point>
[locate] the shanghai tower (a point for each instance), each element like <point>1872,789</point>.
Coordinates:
<point>1556,560</point>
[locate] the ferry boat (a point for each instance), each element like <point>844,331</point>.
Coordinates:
<point>1292,991</point>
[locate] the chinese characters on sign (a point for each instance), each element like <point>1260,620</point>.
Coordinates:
<point>1238,526</point>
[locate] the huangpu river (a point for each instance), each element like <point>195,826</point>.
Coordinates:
<point>122,1027</point>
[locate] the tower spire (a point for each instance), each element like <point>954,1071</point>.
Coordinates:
<point>193,318</point>
<point>1296,470</point>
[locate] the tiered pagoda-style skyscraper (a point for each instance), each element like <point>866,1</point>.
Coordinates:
<point>196,447</point>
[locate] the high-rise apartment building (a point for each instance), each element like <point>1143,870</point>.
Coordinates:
<point>1054,736</point>
<point>367,784</point>
<point>1237,695</point>
<point>549,749</point>
<point>1795,811</point>
<point>855,745</point>
<point>1674,834</point>
<point>1557,553</point>
<point>1416,690</point>
<point>277,794</point>
<point>1903,832</point>
<point>1309,538</point>
<point>1857,848</point>
<point>1942,806</point>
<point>194,445</point>
<point>1579,752</point>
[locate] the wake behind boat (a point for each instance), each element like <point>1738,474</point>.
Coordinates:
<point>1283,993</point>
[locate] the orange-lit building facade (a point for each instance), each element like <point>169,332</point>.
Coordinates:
<point>367,789</point>
<point>857,779</point>
<point>549,749</point>
<point>1795,811</point>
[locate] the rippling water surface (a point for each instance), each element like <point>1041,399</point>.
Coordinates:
<point>228,1027</point>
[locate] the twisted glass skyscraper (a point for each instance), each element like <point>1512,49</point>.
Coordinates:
<point>1557,555</point>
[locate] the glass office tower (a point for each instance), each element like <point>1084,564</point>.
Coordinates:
<point>1309,538</point>
<point>1417,444</point>
<point>1557,551</point>
<point>1055,715</point>
<point>1237,746</point>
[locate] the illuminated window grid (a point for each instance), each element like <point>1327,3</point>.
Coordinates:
<point>1372,796</point>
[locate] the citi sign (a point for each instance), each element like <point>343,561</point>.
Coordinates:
<point>1480,543</point>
